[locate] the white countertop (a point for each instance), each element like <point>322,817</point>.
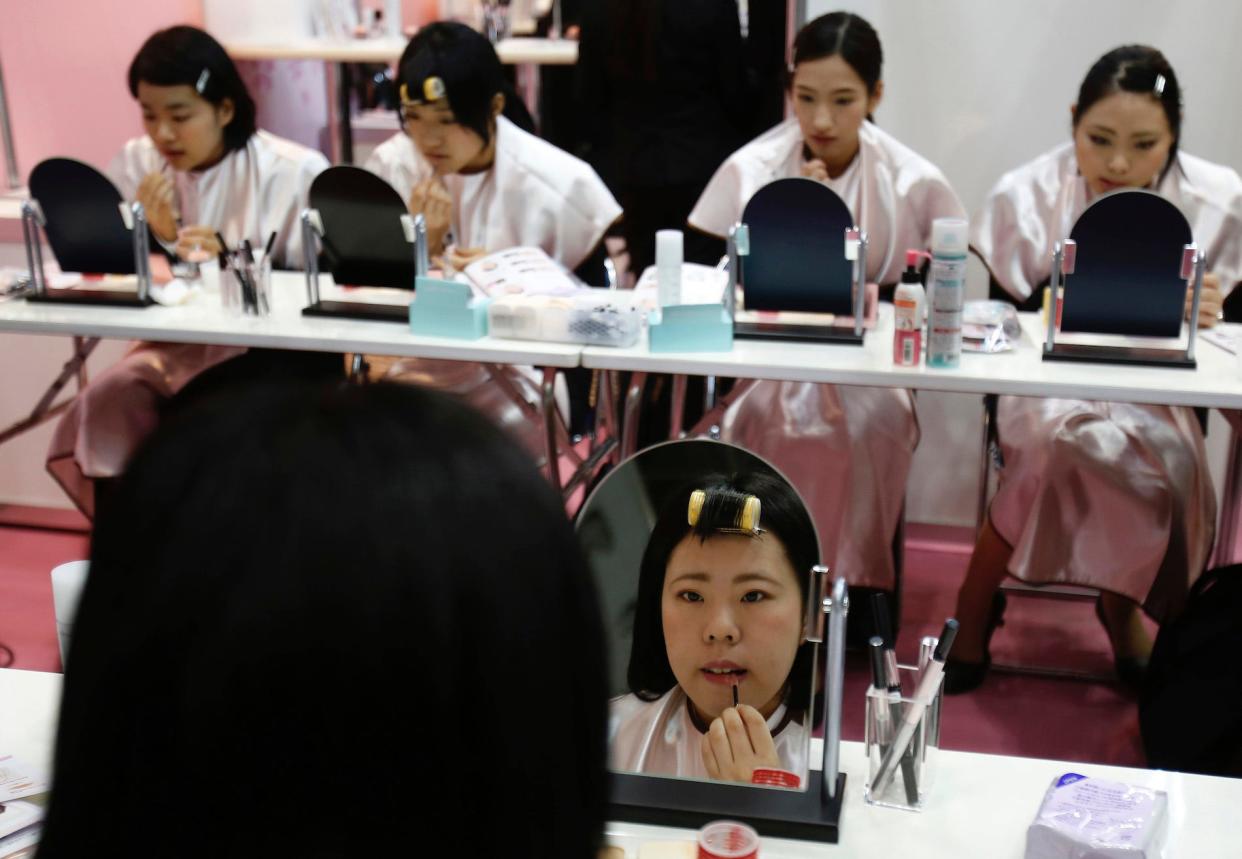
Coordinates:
<point>513,51</point>
<point>204,321</point>
<point>979,805</point>
<point>1216,383</point>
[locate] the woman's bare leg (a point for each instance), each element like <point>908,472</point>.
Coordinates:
<point>1124,625</point>
<point>988,565</point>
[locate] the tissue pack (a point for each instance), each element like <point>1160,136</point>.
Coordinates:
<point>1090,818</point>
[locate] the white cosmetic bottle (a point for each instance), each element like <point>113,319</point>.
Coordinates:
<point>669,257</point>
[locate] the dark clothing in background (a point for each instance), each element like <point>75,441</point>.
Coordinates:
<point>663,81</point>
<point>766,57</point>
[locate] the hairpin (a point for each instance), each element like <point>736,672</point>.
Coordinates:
<point>1159,87</point>
<point>203,78</point>
<point>747,521</point>
<point>433,90</point>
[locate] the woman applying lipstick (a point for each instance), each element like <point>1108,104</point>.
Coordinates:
<point>862,439</point>
<point>482,182</point>
<point>721,602</point>
<point>202,168</point>
<point>1107,495</point>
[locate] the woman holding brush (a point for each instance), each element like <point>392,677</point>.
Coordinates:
<point>205,175</point>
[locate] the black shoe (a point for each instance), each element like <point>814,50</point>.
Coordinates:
<point>961,676</point>
<point>1131,670</point>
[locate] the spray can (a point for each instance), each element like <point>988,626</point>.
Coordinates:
<point>909,302</point>
<point>947,286</point>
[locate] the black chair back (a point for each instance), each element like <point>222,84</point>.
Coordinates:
<point>797,249</point>
<point>363,243</point>
<point>84,223</point>
<point>1127,275</point>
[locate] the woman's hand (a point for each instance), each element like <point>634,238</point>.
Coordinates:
<point>737,743</point>
<point>197,243</point>
<point>458,258</point>
<point>815,169</point>
<point>1211,300</point>
<point>432,200</point>
<point>157,193</point>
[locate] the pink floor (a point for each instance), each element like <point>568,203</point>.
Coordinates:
<point>1010,714</point>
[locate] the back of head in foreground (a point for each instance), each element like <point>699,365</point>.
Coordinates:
<point>334,622</point>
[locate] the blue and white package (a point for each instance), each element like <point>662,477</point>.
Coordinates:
<point>1090,818</point>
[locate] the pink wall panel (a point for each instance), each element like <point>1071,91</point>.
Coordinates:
<point>64,71</point>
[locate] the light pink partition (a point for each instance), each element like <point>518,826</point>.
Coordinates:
<point>64,71</point>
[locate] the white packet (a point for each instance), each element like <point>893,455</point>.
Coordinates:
<point>1090,818</point>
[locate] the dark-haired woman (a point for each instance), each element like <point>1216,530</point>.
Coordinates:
<point>1114,496</point>
<point>482,182</point>
<point>721,603</point>
<point>201,168</point>
<point>860,440</point>
<point>263,666</point>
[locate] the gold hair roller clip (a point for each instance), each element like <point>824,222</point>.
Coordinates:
<point>747,521</point>
<point>405,94</point>
<point>697,499</point>
<point>433,89</point>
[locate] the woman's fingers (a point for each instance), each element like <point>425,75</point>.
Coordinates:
<point>760,737</point>
<point>718,738</point>
<point>709,756</point>
<point>739,737</point>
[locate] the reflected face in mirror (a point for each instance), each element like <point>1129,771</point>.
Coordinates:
<point>1122,141</point>
<point>831,101</point>
<point>187,129</point>
<point>448,145</point>
<point>732,615</point>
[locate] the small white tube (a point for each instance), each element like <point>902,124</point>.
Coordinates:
<point>669,257</point>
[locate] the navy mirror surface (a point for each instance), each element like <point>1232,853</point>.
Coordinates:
<point>1127,276</point>
<point>84,223</point>
<point>364,242</point>
<point>797,249</point>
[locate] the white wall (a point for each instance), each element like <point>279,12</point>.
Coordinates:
<point>981,86</point>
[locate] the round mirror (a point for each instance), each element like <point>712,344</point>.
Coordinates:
<point>702,555</point>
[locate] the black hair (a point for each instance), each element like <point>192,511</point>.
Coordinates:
<point>1137,69</point>
<point>181,55</point>
<point>844,34</point>
<point>466,62</point>
<point>783,515</point>
<point>333,621</point>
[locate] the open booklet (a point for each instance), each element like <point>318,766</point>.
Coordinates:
<point>534,298</point>
<point>23,794</point>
